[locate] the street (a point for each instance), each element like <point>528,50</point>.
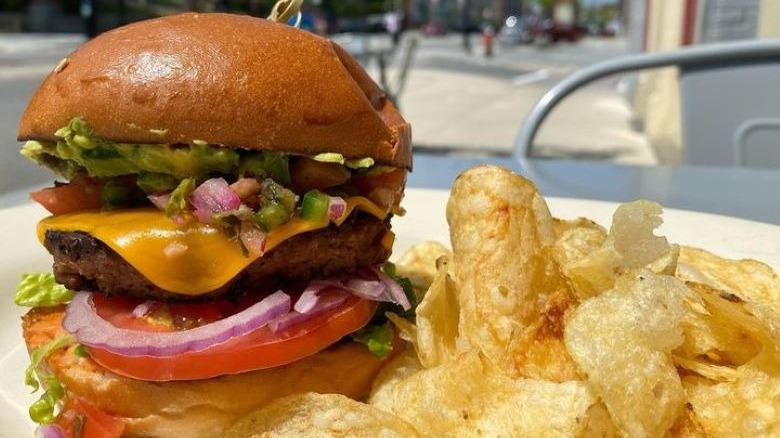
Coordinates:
<point>456,102</point>
<point>24,61</point>
<point>462,102</point>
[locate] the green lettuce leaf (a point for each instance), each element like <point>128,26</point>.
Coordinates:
<point>42,411</point>
<point>378,339</point>
<point>406,284</point>
<point>40,290</point>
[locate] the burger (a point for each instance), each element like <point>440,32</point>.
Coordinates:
<point>220,230</point>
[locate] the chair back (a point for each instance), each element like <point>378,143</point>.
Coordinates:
<point>731,114</point>
<point>730,100</point>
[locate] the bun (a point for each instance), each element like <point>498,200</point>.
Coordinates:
<point>230,80</point>
<point>198,408</point>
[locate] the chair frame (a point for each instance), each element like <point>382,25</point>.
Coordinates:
<point>708,56</point>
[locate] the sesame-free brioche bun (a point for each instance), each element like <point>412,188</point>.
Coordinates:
<point>198,408</point>
<point>228,80</point>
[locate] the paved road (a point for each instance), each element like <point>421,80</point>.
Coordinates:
<point>457,101</point>
<point>24,60</point>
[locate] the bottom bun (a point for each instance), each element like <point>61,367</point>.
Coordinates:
<point>199,408</point>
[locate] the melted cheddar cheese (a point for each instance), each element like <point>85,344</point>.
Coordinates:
<point>189,259</point>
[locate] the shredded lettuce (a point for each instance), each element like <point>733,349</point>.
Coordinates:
<point>42,411</point>
<point>40,290</point>
<point>378,339</point>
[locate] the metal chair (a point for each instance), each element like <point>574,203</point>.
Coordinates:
<point>730,101</point>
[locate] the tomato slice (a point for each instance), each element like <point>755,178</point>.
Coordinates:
<point>256,350</point>
<point>308,174</point>
<point>394,179</point>
<point>93,423</point>
<point>81,193</point>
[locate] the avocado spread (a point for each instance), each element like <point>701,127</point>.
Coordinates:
<point>160,167</point>
<point>80,151</point>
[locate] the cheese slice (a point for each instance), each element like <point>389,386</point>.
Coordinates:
<point>191,259</point>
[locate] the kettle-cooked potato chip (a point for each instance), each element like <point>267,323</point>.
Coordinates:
<point>418,264</point>
<point>631,244</point>
<point>719,332</point>
<point>751,280</point>
<point>437,320</point>
<point>623,339</point>
<point>466,398</point>
<point>543,327</point>
<point>748,406</point>
<point>577,239</point>
<point>502,236</point>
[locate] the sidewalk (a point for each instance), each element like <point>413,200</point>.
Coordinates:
<point>456,101</point>
<point>27,54</point>
<point>26,43</point>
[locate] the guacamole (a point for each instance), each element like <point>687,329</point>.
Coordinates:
<point>80,151</point>
<point>161,167</point>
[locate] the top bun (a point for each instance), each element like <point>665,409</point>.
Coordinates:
<point>229,80</point>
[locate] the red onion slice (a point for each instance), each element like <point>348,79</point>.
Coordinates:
<point>372,285</point>
<point>49,431</point>
<point>93,331</point>
<point>308,300</point>
<point>396,292</point>
<point>160,201</point>
<point>211,197</point>
<point>337,208</point>
<point>323,301</point>
<point>142,309</point>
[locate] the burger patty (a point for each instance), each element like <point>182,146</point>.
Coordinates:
<point>82,262</point>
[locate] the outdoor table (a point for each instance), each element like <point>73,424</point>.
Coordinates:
<point>731,191</point>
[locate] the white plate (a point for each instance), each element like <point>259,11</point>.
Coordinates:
<point>425,220</point>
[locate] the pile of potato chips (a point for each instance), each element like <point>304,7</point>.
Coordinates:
<point>533,326</point>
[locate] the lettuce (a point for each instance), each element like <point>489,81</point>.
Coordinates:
<point>40,290</point>
<point>42,411</point>
<point>406,285</point>
<point>378,339</point>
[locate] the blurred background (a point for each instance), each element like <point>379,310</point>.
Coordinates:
<point>464,72</point>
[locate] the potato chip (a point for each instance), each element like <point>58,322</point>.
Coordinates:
<point>732,347</point>
<point>622,339</point>
<point>749,406</point>
<point>632,233</point>
<point>502,236</point>
<point>577,239</point>
<point>631,244</point>
<point>718,330</point>
<point>751,280</point>
<point>437,320</point>
<point>540,351</point>
<point>688,425</point>
<point>399,368</point>
<point>319,415</point>
<point>418,264</point>
<point>546,327</point>
<point>466,397</point>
